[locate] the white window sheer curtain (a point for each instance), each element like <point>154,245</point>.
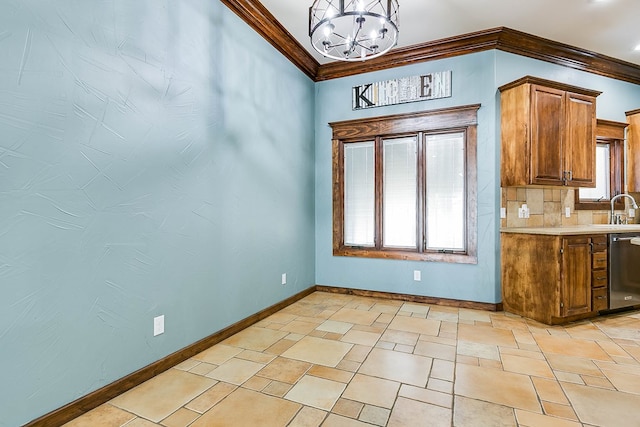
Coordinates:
<point>359,194</point>
<point>445,191</point>
<point>399,192</point>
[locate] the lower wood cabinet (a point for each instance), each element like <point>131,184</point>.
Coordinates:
<point>554,279</point>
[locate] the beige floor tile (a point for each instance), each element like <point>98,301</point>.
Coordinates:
<point>435,350</point>
<point>531,419</point>
<point>319,351</point>
<point>474,315</point>
<point>443,316</point>
<point>358,353</point>
<point>440,385</point>
<point>624,381</point>
<point>375,415</point>
<point>256,356</point>
<point>415,325</point>
<point>248,408</point>
<point>348,408</point>
<point>277,388</point>
<point>442,369</point>
<point>281,317</point>
<point>285,370</point>
<point>549,390</point>
<point>203,368</point>
<point>308,417</point>
<point>427,396</point>
<point>334,326</point>
<point>280,347</point>
<point>578,348</point>
<point>527,366</point>
<point>330,373</point>
<point>568,377</point>
<point>475,349</point>
<point>559,411</point>
<point>476,413</point>
<point>400,337</point>
<point>316,392</point>
<point>388,307</point>
<point>401,367</point>
<point>334,420</point>
<point>585,331</point>
<point>357,317</point>
<point>577,365</point>
<point>414,308</point>
<point>299,327</point>
<point>181,418</point>
<point>407,412</point>
<point>620,409</point>
<point>597,382</point>
<point>206,400</point>
<point>256,383</point>
<point>187,364</point>
<point>254,338</point>
<point>522,353</point>
<point>375,391</point>
<point>141,422</point>
<point>218,354</point>
<point>105,415</point>
<point>360,337</point>
<point>486,335</point>
<point>235,371</point>
<point>162,395</point>
<point>503,388</point>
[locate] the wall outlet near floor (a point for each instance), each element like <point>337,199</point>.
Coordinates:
<point>417,275</point>
<point>158,325</point>
<point>284,278</point>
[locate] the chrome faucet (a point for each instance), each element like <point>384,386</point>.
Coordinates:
<point>616,220</point>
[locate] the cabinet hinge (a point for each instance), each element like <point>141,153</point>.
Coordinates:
<point>561,304</point>
<point>561,251</point>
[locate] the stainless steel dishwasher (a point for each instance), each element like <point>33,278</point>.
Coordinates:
<point>624,270</point>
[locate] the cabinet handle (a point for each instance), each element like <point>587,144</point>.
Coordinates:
<point>601,278</point>
<point>601,297</point>
<point>570,175</point>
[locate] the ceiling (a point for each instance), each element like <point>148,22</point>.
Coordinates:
<point>607,27</point>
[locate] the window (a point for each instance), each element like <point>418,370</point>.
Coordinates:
<point>609,169</point>
<point>405,186</point>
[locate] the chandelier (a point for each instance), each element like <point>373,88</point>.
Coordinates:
<point>353,30</point>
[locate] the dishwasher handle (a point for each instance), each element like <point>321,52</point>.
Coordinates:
<point>623,239</point>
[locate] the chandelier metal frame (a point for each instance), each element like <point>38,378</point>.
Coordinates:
<point>353,30</point>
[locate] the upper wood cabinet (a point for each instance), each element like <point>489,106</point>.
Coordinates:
<point>633,153</point>
<point>548,134</point>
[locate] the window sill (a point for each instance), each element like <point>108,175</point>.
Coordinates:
<point>408,256</point>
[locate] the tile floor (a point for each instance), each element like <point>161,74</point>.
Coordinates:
<point>337,360</point>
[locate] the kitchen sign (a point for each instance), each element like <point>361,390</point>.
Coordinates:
<point>399,91</point>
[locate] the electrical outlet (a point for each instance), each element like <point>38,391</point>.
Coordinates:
<point>503,213</point>
<point>417,275</point>
<point>284,278</point>
<point>158,325</point>
<point>632,213</point>
<point>567,212</point>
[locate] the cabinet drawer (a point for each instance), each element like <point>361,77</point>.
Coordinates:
<point>599,260</point>
<point>599,279</point>
<point>599,299</point>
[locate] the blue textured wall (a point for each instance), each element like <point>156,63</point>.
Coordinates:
<point>156,157</point>
<point>476,79</point>
<point>472,83</point>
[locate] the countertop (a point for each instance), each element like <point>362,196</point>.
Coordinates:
<point>575,229</point>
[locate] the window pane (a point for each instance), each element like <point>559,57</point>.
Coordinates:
<point>602,191</point>
<point>399,197</point>
<point>359,195</point>
<point>445,188</point>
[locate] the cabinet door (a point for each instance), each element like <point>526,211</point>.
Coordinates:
<point>575,297</point>
<point>580,140</point>
<point>547,133</point>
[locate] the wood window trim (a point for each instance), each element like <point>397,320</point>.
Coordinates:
<point>462,118</point>
<point>612,133</point>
